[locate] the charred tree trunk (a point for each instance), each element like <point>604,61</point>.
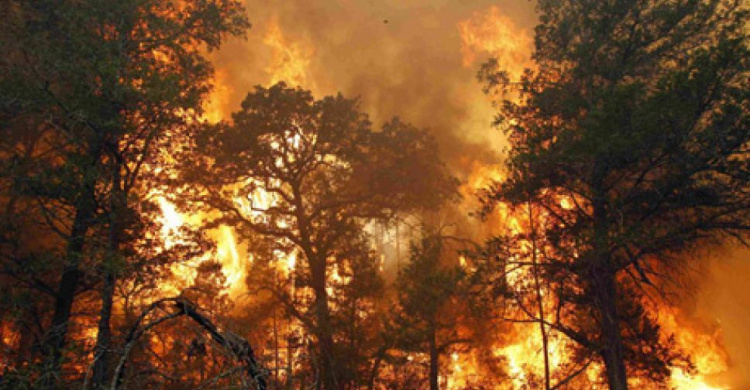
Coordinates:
<point>57,334</point>
<point>239,347</point>
<point>434,361</point>
<point>604,287</point>
<point>277,365</point>
<point>118,205</point>
<point>104,334</point>
<point>612,351</point>
<point>85,209</point>
<point>316,260</point>
<point>289,362</point>
<point>374,372</point>
<point>326,367</point>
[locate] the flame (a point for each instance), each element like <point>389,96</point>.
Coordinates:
<point>290,60</point>
<point>233,266</point>
<point>461,371</point>
<point>495,34</point>
<point>523,352</point>
<point>481,177</point>
<point>484,33</point>
<point>291,261</point>
<point>682,381</point>
<point>171,221</point>
<point>214,108</point>
<point>289,63</point>
<point>707,353</point>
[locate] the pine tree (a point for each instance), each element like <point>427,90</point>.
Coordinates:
<point>632,136</point>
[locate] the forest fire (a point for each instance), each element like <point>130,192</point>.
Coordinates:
<point>706,351</point>
<point>525,354</point>
<point>363,195</point>
<point>233,266</point>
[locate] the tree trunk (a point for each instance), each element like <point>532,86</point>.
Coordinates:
<point>374,373</point>
<point>118,205</point>
<point>612,353</point>
<point>56,336</point>
<point>605,288</point>
<point>326,367</point>
<point>539,297</point>
<point>277,364</point>
<point>55,339</point>
<point>434,361</point>
<point>104,334</point>
<point>289,363</point>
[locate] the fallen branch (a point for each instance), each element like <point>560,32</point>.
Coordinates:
<point>233,343</point>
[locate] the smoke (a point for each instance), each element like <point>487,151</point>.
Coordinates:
<point>401,58</point>
<point>722,301</point>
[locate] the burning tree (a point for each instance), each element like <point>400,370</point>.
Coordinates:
<point>301,178</point>
<point>432,304</point>
<point>631,138</point>
<point>89,88</point>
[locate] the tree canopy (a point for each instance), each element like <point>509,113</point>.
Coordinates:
<point>304,177</point>
<point>632,138</point>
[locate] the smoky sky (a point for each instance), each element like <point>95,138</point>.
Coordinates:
<point>400,58</point>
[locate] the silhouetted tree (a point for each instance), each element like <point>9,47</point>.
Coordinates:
<point>432,303</point>
<point>104,82</point>
<point>304,176</point>
<point>632,135</point>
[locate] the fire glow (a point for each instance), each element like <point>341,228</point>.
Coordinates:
<point>262,279</point>
<point>484,33</point>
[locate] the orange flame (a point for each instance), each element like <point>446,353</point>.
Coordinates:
<point>524,354</point>
<point>705,349</point>
<point>214,109</point>
<point>290,60</point>
<point>493,33</point>
<point>228,252</point>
